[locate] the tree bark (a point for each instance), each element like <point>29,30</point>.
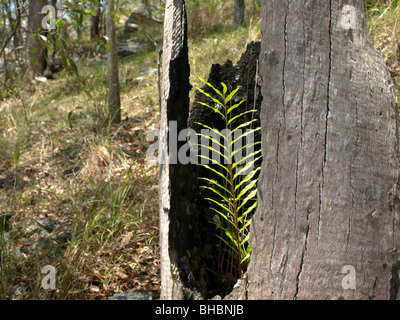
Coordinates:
<point>328,190</point>
<point>238,15</point>
<point>174,112</point>
<point>36,55</point>
<point>114,101</point>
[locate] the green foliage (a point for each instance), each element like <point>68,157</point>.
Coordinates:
<point>234,194</point>
<point>380,7</point>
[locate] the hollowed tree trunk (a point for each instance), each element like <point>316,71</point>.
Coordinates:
<point>327,221</point>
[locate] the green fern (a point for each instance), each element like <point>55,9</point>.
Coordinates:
<point>233,188</point>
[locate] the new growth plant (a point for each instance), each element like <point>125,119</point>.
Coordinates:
<point>232,186</point>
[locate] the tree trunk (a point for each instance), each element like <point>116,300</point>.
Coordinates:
<point>327,220</point>
<point>36,55</point>
<point>174,112</point>
<point>95,23</point>
<point>113,78</point>
<point>238,15</point>
<point>15,26</point>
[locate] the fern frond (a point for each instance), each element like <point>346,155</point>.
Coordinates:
<point>246,167</point>
<point>247,188</point>
<point>212,87</point>
<point>216,172</point>
<point>234,107</point>
<point>224,217</point>
<point>218,185</point>
<point>245,147</point>
<point>250,196</point>
<point>213,99</point>
<point>220,205</point>
<point>226,199</point>
<point>245,239</point>
<point>225,88</point>
<point>230,96</point>
<point>247,178</point>
<point>244,125</point>
<point>212,108</point>
<point>245,134</point>
<point>240,115</point>
<point>246,213</point>
<point>213,161</point>
<point>245,159</point>
<point>248,222</point>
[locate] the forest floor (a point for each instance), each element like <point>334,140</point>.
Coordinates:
<point>82,195</point>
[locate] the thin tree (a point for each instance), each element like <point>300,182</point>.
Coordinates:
<point>36,62</point>
<point>113,78</point>
<point>238,14</point>
<point>95,22</point>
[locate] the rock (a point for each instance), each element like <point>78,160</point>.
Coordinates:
<point>148,72</point>
<point>42,243</point>
<point>137,295</point>
<point>46,225</point>
<point>142,15</point>
<point>94,289</point>
<point>71,170</point>
<point>19,255</point>
<point>5,236</point>
<point>131,27</point>
<point>64,237</point>
<point>48,73</point>
<point>129,47</point>
<point>138,80</point>
<point>40,79</point>
<point>19,292</point>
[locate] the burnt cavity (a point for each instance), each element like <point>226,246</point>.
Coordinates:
<point>194,239</point>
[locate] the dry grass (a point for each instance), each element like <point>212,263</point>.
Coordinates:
<point>91,180</point>
<point>384,27</point>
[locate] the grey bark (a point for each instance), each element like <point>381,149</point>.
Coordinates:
<point>328,190</point>
<point>36,62</point>
<point>238,15</point>
<point>114,102</point>
<point>174,107</point>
